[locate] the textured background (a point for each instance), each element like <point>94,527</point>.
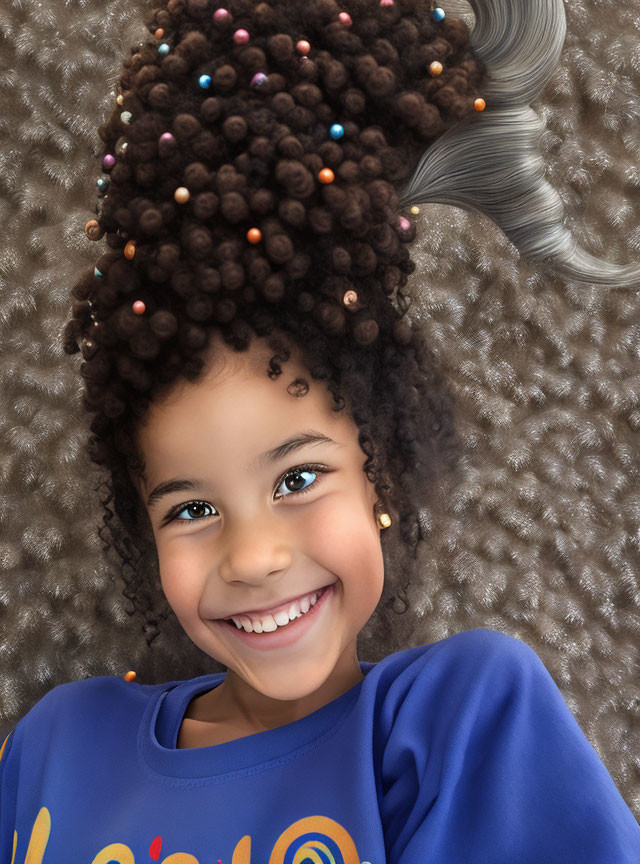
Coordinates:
<point>539,537</point>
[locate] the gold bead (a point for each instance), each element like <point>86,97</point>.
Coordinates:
<point>120,99</point>
<point>384,520</point>
<point>415,210</point>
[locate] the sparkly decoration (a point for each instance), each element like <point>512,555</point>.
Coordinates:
<point>336,131</point>
<point>93,230</point>
<point>126,116</point>
<point>350,298</point>
<point>138,307</point>
<point>326,176</point>
<point>259,79</point>
<point>167,136</point>
<point>182,195</point>
<point>96,272</point>
<point>387,3</point>
<point>121,146</point>
<point>404,223</point>
<point>436,68</point>
<point>120,99</point>
<point>103,184</point>
<point>221,15</point>
<point>130,250</point>
<point>130,676</point>
<point>204,81</point>
<point>254,235</point>
<point>241,37</point>
<point>163,48</point>
<point>415,210</point>
<point>384,519</point>
<point>345,19</point>
<point>437,14</point>
<point>479,104</point>
<point>109,161</point>
<point>159,33</point>
<point>303,47</point>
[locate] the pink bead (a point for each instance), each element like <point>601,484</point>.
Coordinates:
<point>221,15</point>
<point>241,37</point>
<point>404,223</point>
<point>345,18</point>
<point>386,2</point>
<point>167,136</point>
<point>303,47</point>
<point>109,161</point>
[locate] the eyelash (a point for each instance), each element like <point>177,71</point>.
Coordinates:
<point>173,514</point>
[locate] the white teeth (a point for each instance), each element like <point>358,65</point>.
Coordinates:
<point>269,623</point>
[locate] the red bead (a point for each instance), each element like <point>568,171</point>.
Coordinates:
<point>139,307</point>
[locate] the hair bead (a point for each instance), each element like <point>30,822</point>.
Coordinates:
<point>303,47</point>
<point>159,33</point>
<point>130,676</point>
<point>336,131</point>
<point>163,48</point>
<point>350,298</point>
<point>438,14</point>
<point>119,99</point>
<point>130,250</point>
<point>479,104</point>
<point>436,68</point>
<point>126,117</point>
<point>241,36</point>
<point>259,79</point>
<point>345,19</point>
<point>109,160</point>
<point>415,210</point>
<point>103,183</point>
<point>326,176</point>
<point>221,15</point>
<point>167,137</point>
<point>404,223</point>
<point>182,195</point>
<point>204,81</point>
<point>387,3</point>
<point>93,230</point>
<point>254,235</point>
<point>139,307</point>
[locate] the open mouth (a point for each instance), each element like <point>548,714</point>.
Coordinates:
<point>230,622</point>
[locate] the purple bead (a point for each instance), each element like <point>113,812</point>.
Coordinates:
<point>258,79</point>
<point>109,161</point>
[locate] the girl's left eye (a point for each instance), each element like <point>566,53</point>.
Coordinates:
<point>300,470</point>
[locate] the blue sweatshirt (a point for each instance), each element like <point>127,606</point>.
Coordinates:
<point>458,752</point>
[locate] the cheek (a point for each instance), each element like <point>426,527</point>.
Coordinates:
<point>179,583</point>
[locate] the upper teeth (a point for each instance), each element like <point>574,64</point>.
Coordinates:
<point>269,623</point>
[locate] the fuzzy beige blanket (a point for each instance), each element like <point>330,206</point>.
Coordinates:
<point>540,535</point>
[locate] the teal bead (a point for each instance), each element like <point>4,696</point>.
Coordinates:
<point>163,48</point>
<point>336,131</point>
<point>103,184</point>
<point>96,272</point>
<point>204,81</point>
<point>437,14</point>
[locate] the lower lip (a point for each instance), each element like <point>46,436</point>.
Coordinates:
<point>283,636</point>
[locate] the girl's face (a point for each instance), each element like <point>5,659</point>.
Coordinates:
<point>238,536</point>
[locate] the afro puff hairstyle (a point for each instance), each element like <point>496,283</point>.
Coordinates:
<point>253,165</point>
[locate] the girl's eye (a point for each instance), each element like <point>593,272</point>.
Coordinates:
<point>301,471</point>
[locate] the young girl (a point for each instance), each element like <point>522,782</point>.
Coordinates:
<point>264,409</point>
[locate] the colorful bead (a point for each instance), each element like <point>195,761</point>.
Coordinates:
<point>163,48</point>
<point>119,98</point>
<point>241,37</point>
<point>345,18</point>
<point>221,15</point>
<point>437,14</point>
<point>167,136</point>
<point>96,272</point>
<point>386,3</point>
<point>103,183</point>
<point>159,33</point>
<point>130,250</point>
<point>139,307</point>
<point>126,116</point>
<point>436,68</point>
<point>204,81</point>
<point>303,47</point>
<point>109,161</point>
<point>130,676</point>
<point>326,176</point>
<point>415,210</point>
<point>259,79</point>
<point>336,131</point>
<point>479,104</point>
<point>404,223</point>
<point>93,230</point>
<point>350,298</point>
<point>254,235</point>
<point>182,195</point>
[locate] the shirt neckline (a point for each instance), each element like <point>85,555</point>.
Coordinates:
<point>165,709</point>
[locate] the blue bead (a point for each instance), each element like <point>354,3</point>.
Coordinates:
<point>163,48</point>
<point>204,81</point>
<point>437,14</point>
<point>96,272</point>
<point>103,183</point>
<point>336,131</point>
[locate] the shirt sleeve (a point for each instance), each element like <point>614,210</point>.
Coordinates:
<point>8,789</point>
<point>490,765</point>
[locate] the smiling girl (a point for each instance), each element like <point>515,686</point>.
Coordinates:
<point>267,411</point>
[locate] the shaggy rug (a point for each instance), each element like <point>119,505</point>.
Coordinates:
<point>539,536</point>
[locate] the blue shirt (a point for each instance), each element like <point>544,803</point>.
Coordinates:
<point>458,752</point>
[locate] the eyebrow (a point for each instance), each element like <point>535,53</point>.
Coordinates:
<point>273,455</point>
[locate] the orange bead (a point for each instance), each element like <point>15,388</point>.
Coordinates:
<point>93,230</point>
<point>479,104</point>
<point>159,33</point>
<point>254,235</point>
<point>350,298</point>
<point>130,676</point>
<point>326,176</point>
<point>303,47</point>
<point>139,307</point>
<point>436,68</point>
<point>182,195</point>
<point>130,250</point>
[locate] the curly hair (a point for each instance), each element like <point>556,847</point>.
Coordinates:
<point>254,168</point>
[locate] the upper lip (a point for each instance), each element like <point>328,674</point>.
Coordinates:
<point>268,609</point>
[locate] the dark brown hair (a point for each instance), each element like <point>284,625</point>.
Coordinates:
<point>261,156</point>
